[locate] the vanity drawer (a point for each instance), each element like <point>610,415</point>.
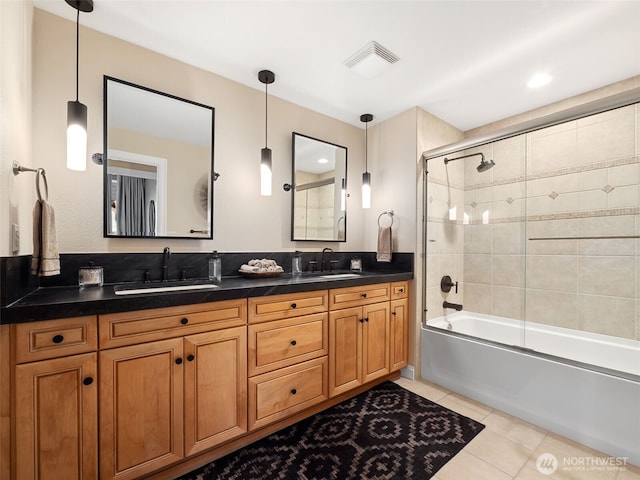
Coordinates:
<point>55,338</point>
<point>277,307</point>
<point>399,290</point>
<point>276,395</point>
<point>356,296</point>
<point>281,343</point>
<point>128,328</point>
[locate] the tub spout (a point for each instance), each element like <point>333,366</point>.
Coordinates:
<point>456,306</point>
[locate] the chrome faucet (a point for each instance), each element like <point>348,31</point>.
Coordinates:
<point>324,250</point>
<point>166,255</point>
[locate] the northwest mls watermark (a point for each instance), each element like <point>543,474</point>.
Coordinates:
<point>548,464</point>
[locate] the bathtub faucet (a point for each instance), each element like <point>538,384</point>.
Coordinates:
<point>456,306</point>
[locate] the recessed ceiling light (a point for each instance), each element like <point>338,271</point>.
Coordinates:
<point>539,80</point>
<point>323,160</point>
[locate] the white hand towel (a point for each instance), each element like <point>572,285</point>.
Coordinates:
<point>384,244</point>
<point>45,261</point>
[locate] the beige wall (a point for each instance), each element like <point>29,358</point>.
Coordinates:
<point>243,220</point>
<point>17,194</point>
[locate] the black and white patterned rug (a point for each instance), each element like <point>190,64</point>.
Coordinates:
<point>384,433</point>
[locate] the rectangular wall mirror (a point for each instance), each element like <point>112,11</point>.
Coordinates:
<point>318,200</point>
<point>158,164</point>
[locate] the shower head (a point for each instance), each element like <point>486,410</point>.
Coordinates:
<point>484,165</point>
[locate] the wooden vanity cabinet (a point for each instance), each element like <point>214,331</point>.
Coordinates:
<point>163,400</point>
<point>399,326</point>
<point>288,347</point>
<point>359,346</point>
<point>56,399</point>
<point>368,333</point>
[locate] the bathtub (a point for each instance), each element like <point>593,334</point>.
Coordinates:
<point>561,390</point>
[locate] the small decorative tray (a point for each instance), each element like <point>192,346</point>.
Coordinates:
<point>260,274</point>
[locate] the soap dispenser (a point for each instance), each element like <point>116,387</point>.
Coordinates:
<point>296,263</point>
<point>215,267</point>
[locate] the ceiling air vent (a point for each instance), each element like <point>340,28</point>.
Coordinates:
<point>371,60</point>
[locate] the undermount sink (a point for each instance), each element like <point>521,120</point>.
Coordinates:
<point>159,288</point>
<point>338,276</point>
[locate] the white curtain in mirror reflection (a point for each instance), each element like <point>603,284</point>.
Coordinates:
<point>134,209</point>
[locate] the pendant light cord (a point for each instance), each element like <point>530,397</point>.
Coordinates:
<point>77,50</point>
<point>366,146</point>
<point>266,111</point>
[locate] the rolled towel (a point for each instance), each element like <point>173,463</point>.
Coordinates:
<point>249,268</point>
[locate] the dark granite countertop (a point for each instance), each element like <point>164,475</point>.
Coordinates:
<point>71,301</point>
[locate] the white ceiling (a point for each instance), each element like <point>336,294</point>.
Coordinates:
<point>467,62</point>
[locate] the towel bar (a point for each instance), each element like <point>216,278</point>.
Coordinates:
<point>17,169</point>
<point>390,213</point>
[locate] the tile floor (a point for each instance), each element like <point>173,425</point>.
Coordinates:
<point>508,448</point>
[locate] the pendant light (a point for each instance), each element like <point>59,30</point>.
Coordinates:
<point>76,111</point>
<point>266,77</point>
<point>366,176</point>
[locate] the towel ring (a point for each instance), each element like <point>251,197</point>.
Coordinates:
<point>39,172</point>
<point>390,213</point>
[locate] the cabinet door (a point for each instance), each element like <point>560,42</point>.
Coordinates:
<point>215,388</point>
<point>141,416</point>
<point>375,341</point>
<point>345,350</point>
<point>399,335</point>
<point>56,419</point>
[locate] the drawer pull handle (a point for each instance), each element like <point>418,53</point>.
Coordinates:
<point>293,342</point>
<point>294,305</point>
<point>184,321</point>
<point>178,361</point>
<point>88,381</point>
<point>190,358</point>
<point>294,391</point>
<point>401,290</point>
<point>57,339</point>
<point>364,295</point>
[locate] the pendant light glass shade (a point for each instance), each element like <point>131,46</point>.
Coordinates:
<point>76,136</point>
<point>265,172</point>
<point>266,77</point>
<point>76,111</point>
<point>366,190</point>
<point>366,176</point>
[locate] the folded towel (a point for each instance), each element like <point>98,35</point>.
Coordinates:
<point>45,261</point>
<point>384,244</point>
<point>255,266</point>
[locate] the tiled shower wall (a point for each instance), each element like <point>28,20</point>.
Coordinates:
<point>503,233</point>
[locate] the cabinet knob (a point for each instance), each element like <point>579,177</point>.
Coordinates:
<point>178,361</point>
<point>294,305</point>
<point>184,321</point>
<point>88,381</point>
<point>294,391</point>
<point>366,319</point>
<point>362,320</point>
<point>293,342</point>
<point>402,290</point>
<point>57,339</point>
<point>363,295</point>
<point>393,313</point>
<point>191,358</point>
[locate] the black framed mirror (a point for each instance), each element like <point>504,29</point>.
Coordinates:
<point>319,190</point>
<point>157,163</point>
